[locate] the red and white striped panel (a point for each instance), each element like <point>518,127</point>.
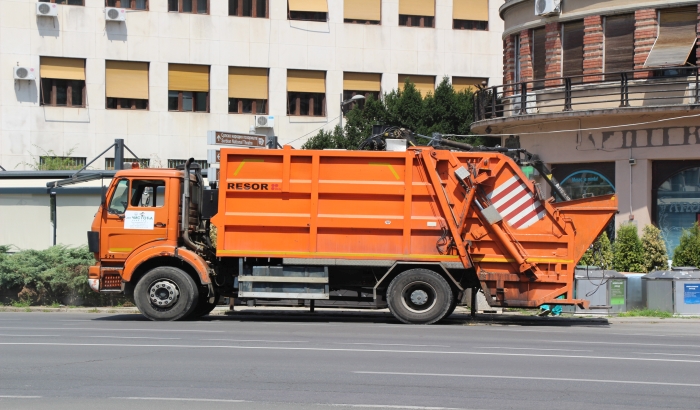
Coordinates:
<point>516,204</point>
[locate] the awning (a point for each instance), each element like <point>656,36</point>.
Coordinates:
<point>318,6</point>
<point>362,10</point>
<point>677,37</point>
<point>417,7</point>
<point>246,82</point>
<point>424,83</point>
<point>306,81</point>
<point>62,68</point>
<point>126,79</point>
<point>470,10</point>
<point>188,77</point>
<point>362,82</point>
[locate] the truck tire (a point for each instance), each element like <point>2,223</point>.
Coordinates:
<point>166,293</point>
<point>203,307</point>
<point>419,296</point>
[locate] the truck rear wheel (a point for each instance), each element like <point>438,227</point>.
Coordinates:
<point>419,296</point>
<point>166,293</point>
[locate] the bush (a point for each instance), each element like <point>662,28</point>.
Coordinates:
<point>55,275</point>
<point>655,255</point>
<point>599,254</point>
<point>628,253</point>
<point>687,253</point>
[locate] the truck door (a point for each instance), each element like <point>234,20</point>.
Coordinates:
<point>135,215</point>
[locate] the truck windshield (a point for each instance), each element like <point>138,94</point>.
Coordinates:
<point>120,198</point>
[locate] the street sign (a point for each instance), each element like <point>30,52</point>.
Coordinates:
<point>236,139</point>
<point>213,156</point>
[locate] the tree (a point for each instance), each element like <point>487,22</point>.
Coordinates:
<point>600,254</point>
<point>655,255</point>
<point>445,111</point>
<point>687,253</point>
<point>628,253</point>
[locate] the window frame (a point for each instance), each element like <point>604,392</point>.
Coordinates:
<point>254,106</point>
<point>132,5</point>
<point>53,93</point>
<point>421,21</point>
<point>474,24</point>
<point>64,4</point>
<point>298,96</point>
<point>194,7</point>
<point>194,101</point>
<point>253,10</point>
<point>131,106</point>
<point>313,18</point>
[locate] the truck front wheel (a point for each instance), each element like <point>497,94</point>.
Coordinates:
<point>419,296</point>
<point>166,293</point>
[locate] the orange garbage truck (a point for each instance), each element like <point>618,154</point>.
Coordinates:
<point>412,231</point>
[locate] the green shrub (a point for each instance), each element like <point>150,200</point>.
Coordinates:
<point>628,252</point>
<point>599,254</point>
<point>687,253</point>
<point>646,313</point>
<point>655,255</point>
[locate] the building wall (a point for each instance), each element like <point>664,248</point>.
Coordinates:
<point>159,37</point>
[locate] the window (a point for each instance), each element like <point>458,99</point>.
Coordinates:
<point>675,44</point>
<point>52,162</point>
<point>309,10</point>
<point>470,15</point>
<point>189,6</point>
<point>126,85</point>
<point>173,163</point>
<point>68,2</point>
<point>128,4</point>
<point>417,13</point>
<point>425,84</point>
<point>619,44</point>
<point>247,90</point>
<point>361,84</point>
<point>147,194</point>
<point>362,11</point>
<point>306,93</point>
<point>572,45</point>
<point>471,84</point>
<point>539,56</point>
<point>677,199</point>
<point>143,163</point>
<point>120,198</point>
<point>248,8</point>
<point>516,52</point>
<point>62,82</point>
<point>188,88</point>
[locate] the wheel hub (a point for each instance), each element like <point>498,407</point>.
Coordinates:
<point>164,293</point>
<point>419,297</point>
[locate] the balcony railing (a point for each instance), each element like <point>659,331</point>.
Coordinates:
<point>639,88</point>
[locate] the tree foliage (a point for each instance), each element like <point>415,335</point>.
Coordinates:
<point>628,250</point>
<point>445,111</point>
<point>599,254</point>
<point>655,255</point>
<point>687,253</point>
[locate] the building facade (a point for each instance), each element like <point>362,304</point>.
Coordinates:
<point>606,93</point>
<point>174,69</point>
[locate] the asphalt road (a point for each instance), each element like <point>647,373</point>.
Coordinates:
<point>101,361</point>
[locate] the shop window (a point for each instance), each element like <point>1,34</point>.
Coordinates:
<point>677,205</point>
<point>248,8</point>
<point>67,2</point>
<point>128,4</point>
<point>189,6</point>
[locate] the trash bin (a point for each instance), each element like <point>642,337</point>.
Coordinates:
<point>634,291</point>
<point>605,289</point>
<point>676,291</point>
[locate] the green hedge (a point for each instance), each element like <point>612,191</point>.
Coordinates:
<point>43,277</point>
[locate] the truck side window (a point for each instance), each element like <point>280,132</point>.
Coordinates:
<point>120,198</point>
<point>147,193</point>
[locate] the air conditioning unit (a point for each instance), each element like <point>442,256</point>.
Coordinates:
<point>23,73</point>
<point>47,9</point>
<point>547,7</point>
<point>115,14</point>
<point>264,121</point>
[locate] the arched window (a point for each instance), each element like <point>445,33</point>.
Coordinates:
<point>678,205</point>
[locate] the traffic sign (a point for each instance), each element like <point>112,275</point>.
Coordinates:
<point>236,139</point>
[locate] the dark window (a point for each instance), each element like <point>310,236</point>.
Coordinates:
<point>308,16</point>
<point>353,21</point>
<point>572,44</point>
<point>128,4</point>
<point>62,93</point>
<point>348,94</point>
<point>147,194</point>
<point>539,56</point>
<point>246,106</point>
<point>68,2</point>
<point>52,162</point>
<point>188,101</point>
<point>619,44</point>
<point>470,25</point>
<point>189,6</point>
<point>516,52</point>
<point>247,8</point>
<point>143,162</point>
<point>172,163</point>
<point>126,104</point>
<point>416,21</point>
<point>306,104</point>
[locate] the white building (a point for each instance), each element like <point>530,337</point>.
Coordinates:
<point>223,61</point>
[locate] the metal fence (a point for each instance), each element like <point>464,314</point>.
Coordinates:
<point>637,88</point>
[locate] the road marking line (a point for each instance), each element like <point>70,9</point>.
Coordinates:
<point>384,406</point>
<point>531,348</point>
<point>614,343</point>
<point>136,337</point>
<point>256,341</point>
<point>179,399</point>
<point>669,354</point>
<point>532,378</point>
<point>321,349</point>
<point>29,335</point>
<point>390,344</point>
<point>20,397</point>
<point>112,330</point>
